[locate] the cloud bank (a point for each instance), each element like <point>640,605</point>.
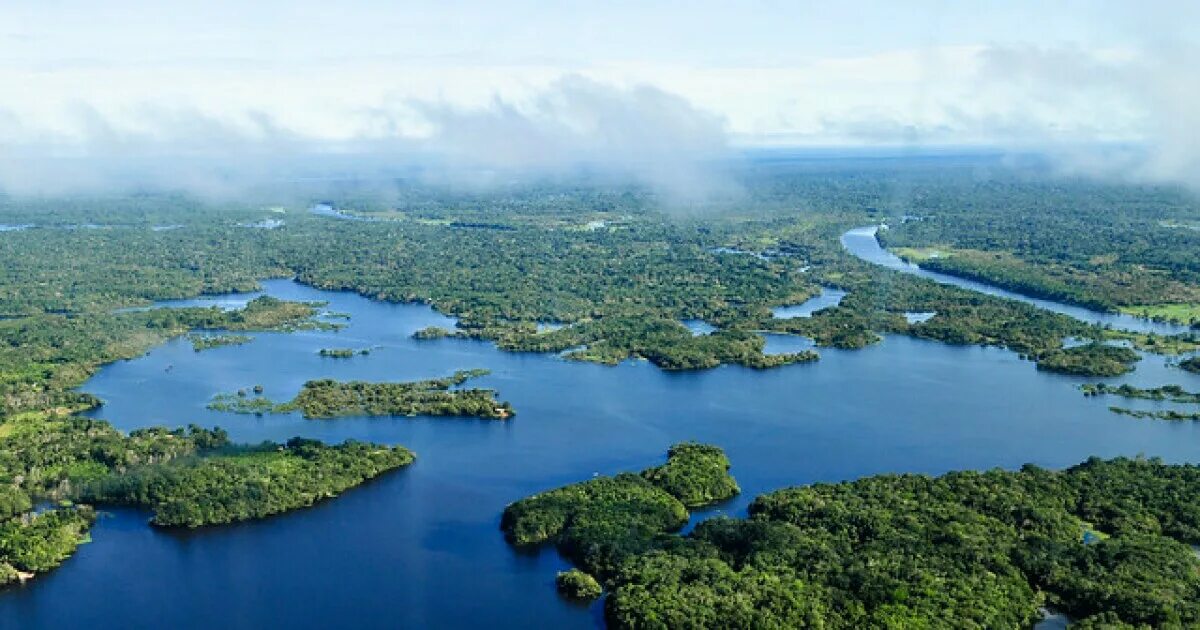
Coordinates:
<point>640,133</point>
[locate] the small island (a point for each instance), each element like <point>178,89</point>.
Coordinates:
<point>327,398</point>
<point>1168,393</point>
<point>1191,365</point>
<point>343,353</point>
<point>433,332</point>
<point>1093,359</point>
<point>205,342</point>
<point>1170,414</point>
<point>575,584</point>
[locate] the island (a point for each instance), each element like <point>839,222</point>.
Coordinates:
<point>1105,542</point>
<point>206,342</point>
<point>327,398</point>
<point>1093,359</point>
<point>189,477</point>
<point>1169,393</point>
<point>343,353</point>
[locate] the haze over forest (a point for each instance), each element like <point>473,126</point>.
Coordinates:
<point>235,95</point>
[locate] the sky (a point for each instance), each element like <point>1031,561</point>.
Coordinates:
<point>531,84</point>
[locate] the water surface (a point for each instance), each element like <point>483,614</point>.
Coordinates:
<point>422,547</point>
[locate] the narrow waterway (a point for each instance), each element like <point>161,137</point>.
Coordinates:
<point>862,242</point>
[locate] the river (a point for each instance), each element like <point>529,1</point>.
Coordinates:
<point>422,546</point>
<point>862,243</point>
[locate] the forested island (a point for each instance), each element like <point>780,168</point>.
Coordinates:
<point>206,342</point>
<point>1191,364</point>
<point>1093,359</point>
<point>327,398</point>
<point>1170,393</point>
<point>1106,542</point>
<point>343,353</point>
<point>188,477</point>
<point>1169,414</point>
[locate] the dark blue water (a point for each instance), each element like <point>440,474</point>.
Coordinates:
<point>422,546</point>
<point>862,243</point>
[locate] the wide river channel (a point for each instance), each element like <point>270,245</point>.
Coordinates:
<point>422,547</point>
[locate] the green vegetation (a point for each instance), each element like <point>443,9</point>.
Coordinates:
<point>327,398</point>
<point>1106,542</point>
<point>1158,344</point>
<point>343,353</point>
<point>43,358</point>
<point>1093,359</point>
<point>576,584</point>
<point>1191,364</point>
<point>601,259</point>
<point>1176,313</point>
<point>205,342</point>
<point>239,402</point>
<point>1104,246</point>
<point>599,522</point>
<point>696,474</point>
<point>36,543</point>
<point>248,483</point>
<point>189,477</point>
<point>1169,414</point>
<point>1171,393</point>
<point>432,332</point>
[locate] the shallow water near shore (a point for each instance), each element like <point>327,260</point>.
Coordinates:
<point>422,546</point>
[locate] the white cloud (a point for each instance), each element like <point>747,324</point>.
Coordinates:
<point>640,133</point>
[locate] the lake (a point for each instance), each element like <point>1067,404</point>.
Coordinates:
<point>422,546</point>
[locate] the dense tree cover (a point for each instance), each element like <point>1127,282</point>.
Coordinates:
<point>432,332</point>
<point>601,257</point>
<point>599,522</point>
<point>1093,359</point>
<point>42,358</point>
<point>1105,541</point>
<point>53,456</point>
<point>696,474</point>
<point>1095,244</point>
<point>576,584</point>
<point>46,457</point>
<point>1172,393</point>
<point>247,483</point>
<point>36,543</point>
<point>327,398</point>
<point>205,342</point>
<point>1191,364</point>
<point>189,477</point>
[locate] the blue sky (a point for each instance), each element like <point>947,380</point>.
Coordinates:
<point>87,77</point>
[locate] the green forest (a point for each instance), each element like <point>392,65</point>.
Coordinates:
<point>327,398</point>
<point>621,276</point>
<point>1106,542</point>
<point>187,477</point>
<point>1105,246</point>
